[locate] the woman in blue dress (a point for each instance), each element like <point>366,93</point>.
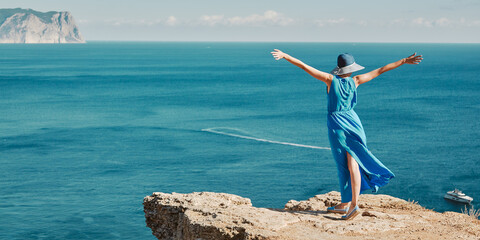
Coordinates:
<point>358,169</point>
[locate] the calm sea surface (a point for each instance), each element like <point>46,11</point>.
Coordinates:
<point>88,130</point>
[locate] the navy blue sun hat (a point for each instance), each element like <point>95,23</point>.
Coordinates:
<point>346,64</point>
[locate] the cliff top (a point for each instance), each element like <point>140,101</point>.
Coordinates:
<point>8,12</point>
<point>207,215</point>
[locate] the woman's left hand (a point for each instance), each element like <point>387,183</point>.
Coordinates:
<point>277,54</point>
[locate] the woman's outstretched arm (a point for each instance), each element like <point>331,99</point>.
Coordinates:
<point>412,59</point>
<point>322,76</point>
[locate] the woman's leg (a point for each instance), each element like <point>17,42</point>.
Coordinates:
<point>355,179</point>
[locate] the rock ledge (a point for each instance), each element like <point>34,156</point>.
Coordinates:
<point>208,215</point>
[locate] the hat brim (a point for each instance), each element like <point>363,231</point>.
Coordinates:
<point>347,69</point>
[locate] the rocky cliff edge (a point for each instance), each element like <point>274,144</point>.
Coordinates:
<point>208,215</point>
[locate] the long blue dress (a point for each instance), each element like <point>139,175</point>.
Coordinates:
<point>345,132</point>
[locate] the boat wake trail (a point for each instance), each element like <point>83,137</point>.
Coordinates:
<point>221,130</point>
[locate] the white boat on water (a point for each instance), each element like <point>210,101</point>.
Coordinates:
<point>458,196</point>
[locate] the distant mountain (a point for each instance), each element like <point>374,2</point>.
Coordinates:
<point>29,26</point>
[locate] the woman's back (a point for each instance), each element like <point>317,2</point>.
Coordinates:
<point>342,95</point>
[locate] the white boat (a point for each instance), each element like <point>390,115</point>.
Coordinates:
<point>458,196</point>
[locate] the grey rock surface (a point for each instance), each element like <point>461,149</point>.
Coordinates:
<point>30,26</point>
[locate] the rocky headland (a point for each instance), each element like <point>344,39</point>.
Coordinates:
<point>30,26</point>
<point>208,215</point>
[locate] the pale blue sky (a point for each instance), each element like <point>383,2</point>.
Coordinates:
<point>270,20</point>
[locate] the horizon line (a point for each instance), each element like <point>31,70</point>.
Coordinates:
<point>228,41</point>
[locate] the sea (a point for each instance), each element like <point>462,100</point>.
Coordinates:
<point>88,130</point>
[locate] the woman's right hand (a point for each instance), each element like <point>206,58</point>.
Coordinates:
<point>413,59</point>
<point>277,54</point>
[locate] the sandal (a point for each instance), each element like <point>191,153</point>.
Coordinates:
<point>352,214</point>
<point>334,210</point>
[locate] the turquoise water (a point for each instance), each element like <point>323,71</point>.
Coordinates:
<point>86,131</point>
